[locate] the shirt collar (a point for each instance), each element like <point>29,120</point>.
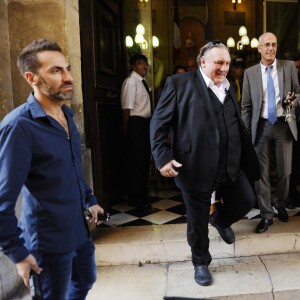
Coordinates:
<point>38,112</point>
<point>209,83</point>
<point>263,67</point>
<point>136,75</point>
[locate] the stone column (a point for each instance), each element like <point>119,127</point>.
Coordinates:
<point>6,102</point>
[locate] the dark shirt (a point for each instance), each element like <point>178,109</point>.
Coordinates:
<point>37,156</point>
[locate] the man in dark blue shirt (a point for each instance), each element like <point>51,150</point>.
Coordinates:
<point>40,154</point>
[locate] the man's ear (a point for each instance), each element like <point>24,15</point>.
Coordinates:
<point>31,78</point>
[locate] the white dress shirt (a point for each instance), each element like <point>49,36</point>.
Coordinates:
<point>274,74</point>
<point>219,91</point>
<point>135,97</point>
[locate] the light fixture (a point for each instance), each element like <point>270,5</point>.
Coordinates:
<point>235,2</point>
<point>139,38</point>
<point>140,29</point>
<point>144,45</point>
<point>155,42</point>
<point>242,31</point>
<point>254,43</point>
<point>230,42</point>
<point>245,40</point>
<point>128,41</point>
<point>143,2</point>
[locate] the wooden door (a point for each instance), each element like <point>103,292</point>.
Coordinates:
<point>102,71</point>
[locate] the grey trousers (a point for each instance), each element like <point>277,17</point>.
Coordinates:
<point>280,138</point>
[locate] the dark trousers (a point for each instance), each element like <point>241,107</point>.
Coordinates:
<point>238,198</point>
<point>138,159</point>
<point>280,136</point>
<point>67,275</point>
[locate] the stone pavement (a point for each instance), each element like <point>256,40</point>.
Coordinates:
<point>263,277</point>
<point>151,262</point>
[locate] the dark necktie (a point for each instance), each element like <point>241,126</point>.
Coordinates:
<point>146,87</point>
<point>272,115</point>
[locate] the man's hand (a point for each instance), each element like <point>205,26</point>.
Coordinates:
<point>289,100</point>
<point>95,210</point>
<point>168,169</point>
<point>25,266</point>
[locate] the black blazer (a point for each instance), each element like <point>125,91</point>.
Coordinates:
<point>185,108</point>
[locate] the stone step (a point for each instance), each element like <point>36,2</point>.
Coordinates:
<point>167,243</point>
<point>265,277</point>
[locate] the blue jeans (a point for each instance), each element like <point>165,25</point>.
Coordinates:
<point>68,275</point>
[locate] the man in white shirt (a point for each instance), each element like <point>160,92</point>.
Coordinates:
<point>136,108</point>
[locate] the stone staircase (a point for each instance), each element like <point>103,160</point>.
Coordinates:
<point>153,262</point>
<point>167,243</point>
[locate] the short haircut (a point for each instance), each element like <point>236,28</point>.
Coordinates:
<point>137,57</point>
<point>208,47</point>
<point>27,60</point>
<point>178,67</point>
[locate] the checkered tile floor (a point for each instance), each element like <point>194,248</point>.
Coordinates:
<point>167,208</point>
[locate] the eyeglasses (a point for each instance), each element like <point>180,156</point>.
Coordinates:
<point>268,45</point>
<point>209,45</point>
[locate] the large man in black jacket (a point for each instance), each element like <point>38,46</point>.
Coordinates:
<point>210,150</point>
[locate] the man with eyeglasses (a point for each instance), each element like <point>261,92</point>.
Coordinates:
<point>211,150</point>
<point>136,109</point>
<point>267,89</point>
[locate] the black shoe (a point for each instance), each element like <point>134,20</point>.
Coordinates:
<point>226,233</point>
<point>263,225</point>
<point>202,275</point>
<point>282,214</point>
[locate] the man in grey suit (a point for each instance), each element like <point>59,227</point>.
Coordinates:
<point>265,87</point>
<point>210,150</point>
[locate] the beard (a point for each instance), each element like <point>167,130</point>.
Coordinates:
<point>57,94</point>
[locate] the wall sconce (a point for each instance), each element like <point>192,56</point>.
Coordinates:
<point>155,42</point>
<point>243,41</point>
<point>235,2</point>
<point>230,42</point>
<point>143,3</point>
<point>139,39</point>
<point>254,43</point>
<point>140,29</point>
<point>128,41</point>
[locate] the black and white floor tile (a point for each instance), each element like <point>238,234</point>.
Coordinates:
<point>167,208</point>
